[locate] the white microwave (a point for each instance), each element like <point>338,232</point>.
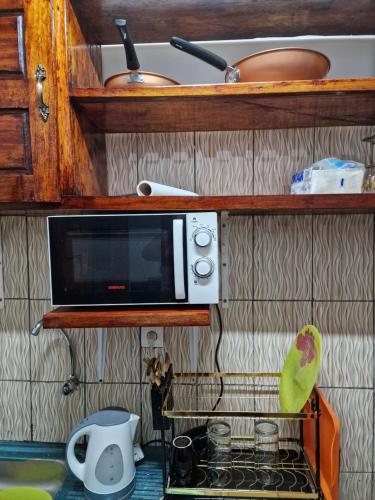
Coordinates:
<point>123,259</point>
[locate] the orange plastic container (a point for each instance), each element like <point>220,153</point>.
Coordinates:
<point>329,431</point>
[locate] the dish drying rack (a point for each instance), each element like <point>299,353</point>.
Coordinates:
<point>189,399</point>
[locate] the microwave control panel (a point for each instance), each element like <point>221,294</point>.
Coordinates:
<point>203,257</point>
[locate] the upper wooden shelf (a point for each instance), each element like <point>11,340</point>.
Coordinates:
<point>267,204</point>
<point>112,317</point>
<point>241,106</point>
<point>158,20</point>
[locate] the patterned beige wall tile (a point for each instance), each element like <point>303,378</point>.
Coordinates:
<point>236,350</point>
<point>282,257</point>
<point>240,258</point>
<point>237,337</point>
<point>346,329</point>
<point>278,154</point>
<point>276,325</point>
<point>50,360</point>
<point>121,163</point>
<point>38,258</point>
<point>122,356</point>
<point>354,408</point>
<point>343,142</point>
<point>128,396</point>
<point>15,411</point>
<point>224,162</point>
<point>177,345</point>
<point>14,248</point>
<point>98,396</point>
<point>343,257</point>
<point>167,159</point>
<point>355,486</point>
<point>55,415</point>
<point>14,340</point>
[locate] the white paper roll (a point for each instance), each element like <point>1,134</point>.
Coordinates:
<point>147,188</point>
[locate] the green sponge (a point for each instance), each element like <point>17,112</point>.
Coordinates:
<point>24,493</point>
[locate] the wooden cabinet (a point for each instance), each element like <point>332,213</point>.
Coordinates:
<point>44,158</point>
<point>44,154</point>
<point>28,152</point>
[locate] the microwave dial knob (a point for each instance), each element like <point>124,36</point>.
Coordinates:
<point>202,237</point>
<point>203,267</point>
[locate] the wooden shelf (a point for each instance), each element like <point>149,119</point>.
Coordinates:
<point>240,106</point>
<point>268,204</point>
<point>111,317</point>
<point>197,20</point>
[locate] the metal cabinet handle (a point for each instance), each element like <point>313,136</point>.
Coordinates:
<point>40,76</point>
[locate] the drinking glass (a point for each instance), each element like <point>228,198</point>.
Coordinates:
<point>219,453</point>
<point>266,450</point>
<point>182,460</point>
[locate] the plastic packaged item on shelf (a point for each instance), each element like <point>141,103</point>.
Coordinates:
<point>329,176</point>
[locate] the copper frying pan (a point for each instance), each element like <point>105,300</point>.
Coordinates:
<point>134,77</point>
<point>271,65</point>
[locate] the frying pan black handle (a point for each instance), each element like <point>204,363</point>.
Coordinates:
<point>131,55</point>
<point>196,51</point>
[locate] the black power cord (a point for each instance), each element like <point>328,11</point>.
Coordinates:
<point>217,356</point>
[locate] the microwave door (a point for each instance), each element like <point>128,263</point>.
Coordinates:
<point>178,259</point>
<point>118,260</point>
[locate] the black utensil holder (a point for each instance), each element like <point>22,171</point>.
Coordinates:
<point>157,400</point>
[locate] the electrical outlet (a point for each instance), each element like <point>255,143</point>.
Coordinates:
<point>152,336</point>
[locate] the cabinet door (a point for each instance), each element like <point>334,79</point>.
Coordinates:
<point>28,137</point>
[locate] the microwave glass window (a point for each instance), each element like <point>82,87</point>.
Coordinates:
<point>146,257</point>
<point>98,259</point>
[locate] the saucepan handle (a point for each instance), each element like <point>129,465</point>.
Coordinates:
<point>199,52</point>
<point>131,55</point>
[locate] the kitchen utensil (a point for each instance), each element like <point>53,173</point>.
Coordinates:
<point>266,435</point>
<point>109,466</point>
<point>134,77</point>
<point>301,369</point>
<point>369,180</point>
<point>167,364</point>
<point>291,63</point>
<point>182,460</point>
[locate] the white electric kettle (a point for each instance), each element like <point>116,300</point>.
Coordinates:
<point>109,470</point>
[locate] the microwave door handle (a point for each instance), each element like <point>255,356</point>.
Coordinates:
<point>178,258</point>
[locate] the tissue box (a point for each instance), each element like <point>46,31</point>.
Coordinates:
<point>329,176</point>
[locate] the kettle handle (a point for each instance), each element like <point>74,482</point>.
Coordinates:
<point>76,467</point>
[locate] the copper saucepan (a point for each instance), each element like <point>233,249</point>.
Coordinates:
<point>134,77</point>
<point>271,65</point>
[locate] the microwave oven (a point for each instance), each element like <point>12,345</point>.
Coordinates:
<point>123,259</point>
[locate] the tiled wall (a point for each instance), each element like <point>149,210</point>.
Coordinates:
<point>285,271</point>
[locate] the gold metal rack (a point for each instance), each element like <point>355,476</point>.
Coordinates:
<point>190,398</point>
<point>250,395</point>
